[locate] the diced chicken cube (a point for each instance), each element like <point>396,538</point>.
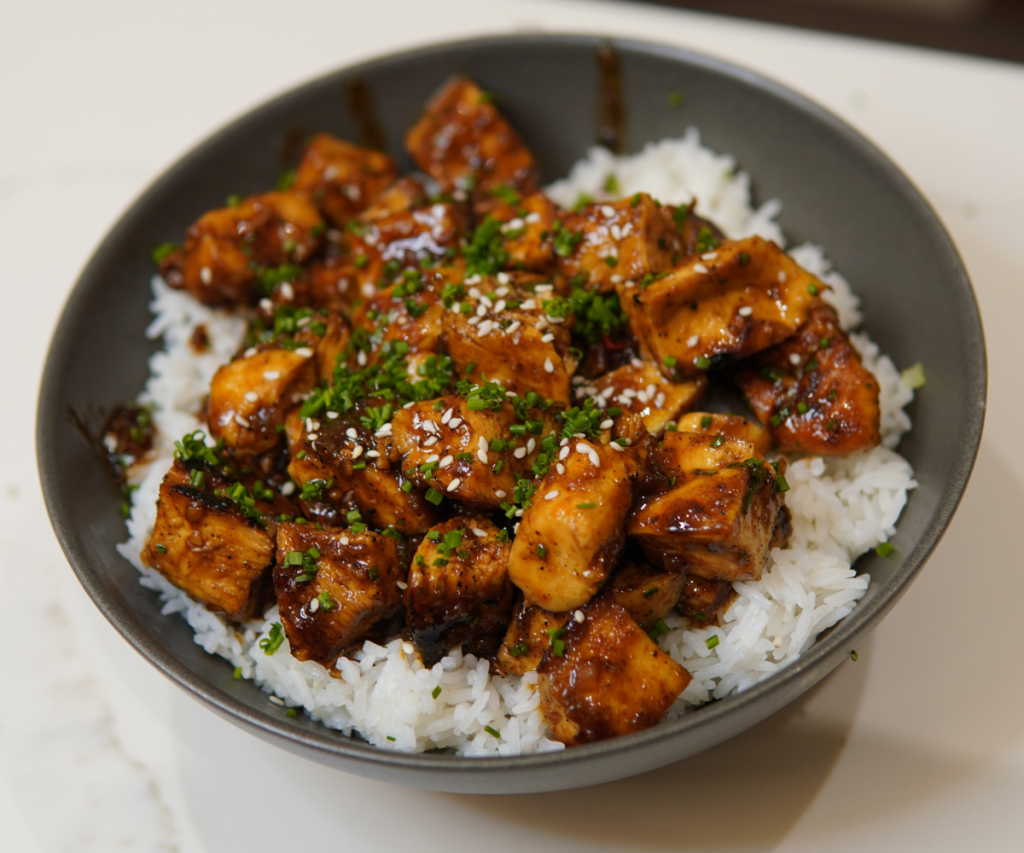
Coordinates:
<point>527,232</point>
<point>710,423</point>
<point>343,179</point>
<point>705,600</point>
<point>332,587</point>
<point>205,545</point>
<point>458,591</point>
<point>250,396</point>
<point>647,592</point>
<point>612,242</point>
<point>573,532</point>
<point>528,637</point>
<point>717,512</point>
<point>227,250</point>
<point>812,391</point>
<point>404,194</point>
<point>640,388</point>
<point>452,448</point>
<point>611,678</point>
<point>464,143</point>
<point>348,466</point>
<point>713,310</point>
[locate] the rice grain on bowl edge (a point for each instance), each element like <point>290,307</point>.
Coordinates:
<point>841,508</point>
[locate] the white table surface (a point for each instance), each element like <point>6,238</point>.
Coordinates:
<point>918,746</point>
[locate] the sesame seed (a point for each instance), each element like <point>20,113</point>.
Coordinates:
<point>288,488</point>
<point>519,514</point>
<point>560,468</point>
<point>481,443</point>
<point>408,648</point>
<point>501,291</point>
<point>563,453</point>
<point>242,422</point>
<point>615,446</point>
<point>616,232</point>
<point>608,211</point>
<point>332,416</point>
<point>473,320</point>
<point>636,362</point>
<point>373,454</point>
<point>513,327</point>
<point>782,276</point>
<point>287,292</point>
<point>531,445</point>
<point>344,540</point>
<point>504,278</point>
<point>578,615</point>
<point>700,268</point>
<point>500,493</point>
<point>548,338</point>
<point>481,310</point>
<point>446,461</point>
<point>455,423</point>
<point>709,256</point>
<point>274,700</point>
<point>486,327</point>
<point>312,436</point>
<point>480,534</point>
<point>304,352</point>
<point>745,311</point>
<point>249,353</point>
<point>266,304</point>
<point>548,366</point>
<point>447,416</point>
<point>528,304</point>
<point>384,430</point>
<point>693,340</point>
<point>401,584</point>
<point>519,452</point>
<point>433,458</point>
<point>206,275</point>
<point>314,605</point>
<point>351,433</point>
<point>454,484</point>
<point>482,456</point>
<point>608,424</point>
<point>642,396</point>
<point>500,306</point>
<point>616,279</point>
<point>533,218</point>
<point>550,496</point>
<point>361,359</point>
<point>583,448</point>
<point>251,396</point>
<point>794,358</point>
<point>271,375</point>
<point>544,288</point>
<point>430,442</point>
<point>595,460</point>
<point>357,451</point>
<point>607,392</point>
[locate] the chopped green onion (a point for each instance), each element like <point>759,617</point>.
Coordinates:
<point>237,673</point>
<point>711,641</point>
<point>913,377</point>
<point>659,629</point>
<point>853,655</point>
<point>705,421</point>
<point>434,496</point>
<point>649,592</point>
<point>160,549</point>
<point>586,505</point>
<point>702,362</point>
<point>272,642</point>
<point>884,550</point>
<point>437,691</point>
<point>492,732</point>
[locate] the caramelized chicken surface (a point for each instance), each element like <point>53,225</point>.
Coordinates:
<point>711,423</point>
<point>333,586</point>
<point>647,592</point>
<point>720,306</point>
<point>812,391</point>
<point>341,178</point>
<point>705,600</point>
<point>529,636</point>
<point>716,510</point>
<point>608,678</point>
<point>459,592</point>
<point>640,388</point>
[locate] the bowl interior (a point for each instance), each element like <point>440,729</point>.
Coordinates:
<point>838,191</point>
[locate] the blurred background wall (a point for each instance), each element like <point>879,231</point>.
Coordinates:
<point>992,28</point>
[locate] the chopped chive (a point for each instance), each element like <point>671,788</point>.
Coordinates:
<point>702,362</point>
<point>437,691</point>
<point>586,505</point>
<point>717,441</point>
<point>542,551</point>
<point>492,732</point>
<point>775,421</point>
<point>802,408</point>
<point>160,549</point>
<point>237,673</point>
<point>390,738</point>
<point>434,496</point>
<point>812,289</point>
<point>913,377</point>
<point>675,99</point>
<point>884,550</point>
<point>853,655</point>
<point>705,422</point>
<point>290,712</point>
<point>670,361</point>
<point>649,592</point>
<point>659,629</point>
<point>711,641</point>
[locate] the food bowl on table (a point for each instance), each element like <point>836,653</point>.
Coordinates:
<point>563,94</point>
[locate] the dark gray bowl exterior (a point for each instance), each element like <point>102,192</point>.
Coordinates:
<point>839,191</point>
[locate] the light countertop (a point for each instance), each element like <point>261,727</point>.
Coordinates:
<point>917,746</point>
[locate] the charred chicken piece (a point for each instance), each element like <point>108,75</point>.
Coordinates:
<point>528,637</point>
<point>647,592</point>
<point>716,511</point>
<point>465,144</point>
<point>218,551</point>
<point>640,388</point>
<point>343,179</point>
<point>721,306</point>
<point>260,239</point>
<point>710,423</point>
<point>527,230</point>
<point>612,242</point>
<point>469,455</point>
<point>610,678</point>
<point>705,600</point>
<point>250,396</point>
<point>459,592</point>
<point>346,465</point>
<point>573,531</point>
<point>812,391</point>
<point>333,586</point>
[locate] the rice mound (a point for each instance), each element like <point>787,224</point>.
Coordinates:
<point>841,507</point>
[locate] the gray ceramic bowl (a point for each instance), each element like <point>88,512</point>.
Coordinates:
<point>838,190</point>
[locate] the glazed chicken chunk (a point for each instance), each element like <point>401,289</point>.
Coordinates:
<point>343,179</point>
<point>716,512</point>
<point>720,306</point>
<point>647,593</point>
<point>610,678</point>
<point>227,252</point>
<point>529,636</point>
<point>209,546</point>
<point>332,587</point>
<point>640,388</point>
<point>712,423</point>
<point>573,531</point>
<point>527,229</point>
<point>459,593</point>
<point>812,391</point>
<point>705,600</point>
<point>613,242</point>
<point>250,396</point>
<point>464,143</point>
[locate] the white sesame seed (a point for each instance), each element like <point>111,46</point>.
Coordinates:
<point>531,445</point>
<point>357,451</point>
<point>304,352</point>
<point>528,304</point>
<point>745,311</point>
<point>454,484</point>
<point>607,424</point>
<point>548,338</point>
<point>560,468</point>
<point>544,288</point>
<point>481,310</point>
<point>636,362</point>
<point>206,275</point>
<point>519,514</point>
<point>266,304</point>
<point>500,493</point>
<point>446,461</point>
<point>344,540</point>
<point>533,218</point>
<point>455,423</point>
<point>351,433</point>
<point>693,340</point>
<point>486,327</point>
<point>430,442</point>
<point>473,320</point>
<point>401,584</point>
<point>288,488</point>
<point>608,211</point>
<point>312,436</point>
<point>249,353</point>
<point>482,456</point>
<point>274,700</point>
<point>373,454</point>
<point>480,534</point>
<point>503,278</point>
<point>563,453</point>
<point>794,358</point>
<point>548,366</point>
<point>447,416</point>
<point>616,278</point>
<point>314,605</point>
<point>607,392</point>
<point>642,396</point>
<point>384,430</point>
<point>709,256</point>
<point>516,528</point>
<point>700,268</point>
<point>595,460</point>
<point>550,496</point>
<point>615,446</point>
<point>616,232</point>
<point>583,448</point>
<point>513,327</point>
<point>563,442</point>
<point>500,306</point>
<point>433,458</point>
<point>782,276</point>
<point>251,396</point>
<point>519,452</point>
<point>271,375</point>
<point>408,648</point>
<point>361,359</point>
<point>474,279</point>
<point>242,422</point>
<point>332,416</point>
<point>287,292</point>
<point>578,615</point>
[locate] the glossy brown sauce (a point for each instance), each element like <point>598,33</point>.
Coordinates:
<point>363,109</point>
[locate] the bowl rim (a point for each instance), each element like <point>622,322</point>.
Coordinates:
<point>831,649</point>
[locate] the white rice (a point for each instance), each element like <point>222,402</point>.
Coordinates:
<point>841,508</point>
